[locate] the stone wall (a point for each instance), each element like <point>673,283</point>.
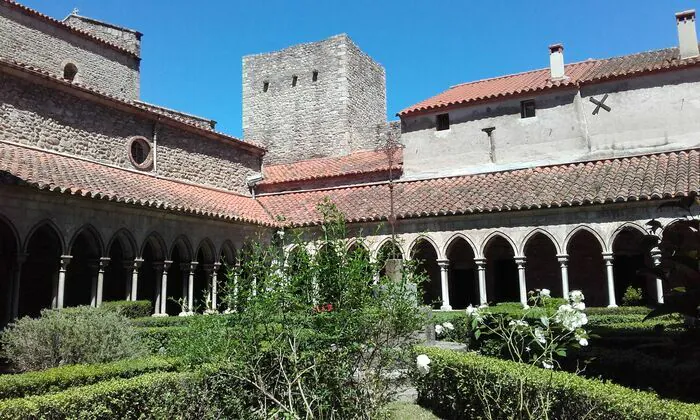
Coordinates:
<point>328,117</point>
<point>125,38</point>
<point>29,40</point>
<point>649,114</point>
<point>40,116</point>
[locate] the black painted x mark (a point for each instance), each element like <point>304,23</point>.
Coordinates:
<point>600,104</point>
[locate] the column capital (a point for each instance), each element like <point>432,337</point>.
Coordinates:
<point>608,257</point>
<point>520,259</point>
<point>193,265</point>
<point>104,261</point>
<point>563,258</point>
<point>137,263</point>
<point>65,260</point>
<point>217,265</point>
<point>480,261</point>
<point>443,263</point>
<point>167,264</point>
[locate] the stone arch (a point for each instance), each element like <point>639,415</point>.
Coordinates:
<point>44,246</point>
<point>463,276</point>
<point>501,269</point>
<point>454,238</point>
<point>183,246</point>
<point>9,246</point>
<point>493,235</point>
<point>622,227</point>
<point>425,253</point>
<point>206,257</point>
<point>46,223</point>
<point>355,242</point>
<point>155,241</point>
<point>430,240</point>
<point>227,253</point>
<point>588,229</point>
<point>540,231</point>
<point>542,269</point>
<point>86,247</point>
<point>629,257</point>
<point>121,251</point>
<point>386,245</point>
<point>180,254</point>
<point>678,237</point>
<point>587,270</point>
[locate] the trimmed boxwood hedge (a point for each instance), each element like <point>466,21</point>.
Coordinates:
<point>159,339</point>
<point>159,395</point>
<point>56,379</point>
<point>128,308</point>
<point>165,321</point>
<point>450,390</point>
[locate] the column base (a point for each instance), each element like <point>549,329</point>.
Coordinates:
<point>185,313</point>
<point>612,306</point>
<point>525,306</point>
<point>159,315</point>
<point>211,312</point>
<point>446,308</point>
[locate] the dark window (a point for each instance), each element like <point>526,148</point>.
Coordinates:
<point>442,122</point>
<point>69,71</point>
<point>314,76</point>
<point>138,152</point>
<point>527,109</point>
<point>294,81</point>
<point>266,86</point>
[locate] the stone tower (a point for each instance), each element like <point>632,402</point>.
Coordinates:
<point>312,100</point>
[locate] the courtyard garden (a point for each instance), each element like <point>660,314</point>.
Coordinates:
<point>320,336</point>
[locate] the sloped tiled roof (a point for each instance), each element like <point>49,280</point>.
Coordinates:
<point>162,114</point>
<point>648,177</point>
<point>85,34</point>
<point>356,163</point>
<point>590,71</point>
<point>53,172</point>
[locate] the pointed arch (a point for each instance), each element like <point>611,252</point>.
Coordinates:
<point>206,246</point>
<point>428,239</point>
<point>388,242</point>
<point>355,242</point>
<point>157,244</point>
<point>91,235</point>
<point>624,226</point>
<point>13,231</point>
<point>588,229</point>
<point>454,239</point>
<point>494,235</point>
<point>184,248</point>
<point>126,241</point>
<point>227,252</point>
<point>49,224</point>
<point>541,231</point>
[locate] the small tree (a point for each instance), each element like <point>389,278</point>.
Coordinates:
<point>312,335</point>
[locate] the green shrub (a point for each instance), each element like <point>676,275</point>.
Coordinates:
<point>63,377</point>
<point>621,310</point>
<point>162,321</point>
<point>467,385</point>
<point>633,296</point>
<point>128,308</point>
<point>70,336</point>
<point>159,340</point>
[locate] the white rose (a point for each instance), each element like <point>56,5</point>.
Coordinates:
<point>545,292</point>
<point>448,326</point>
<point>422,363</point>
<point>583,342</point>
<point>438,329</point>
<point>579,306</point>
<point>539,335</point>
<point>576,296</point>
<point>547,365</point>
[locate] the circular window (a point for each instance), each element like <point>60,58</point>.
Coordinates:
<point>139,150</point>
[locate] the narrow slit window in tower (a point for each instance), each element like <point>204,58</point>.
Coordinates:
<point>314,76</point>
<point>266,86</point>
<point>294,81</point>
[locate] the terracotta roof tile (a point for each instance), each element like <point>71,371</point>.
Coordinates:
<point>589,71</point>
<point>360,162</point>
<point>67,27</point>
<point>645,177</point>
<point>49,171</point>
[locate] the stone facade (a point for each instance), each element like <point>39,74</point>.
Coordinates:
<point>50,47</point>
<point>337,113</point>
<point>124,37</point>
<point>47,118</point>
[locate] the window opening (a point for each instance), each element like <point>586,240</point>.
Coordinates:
<point>527,109</point>
<point>442,122</point>
<point>69,71</point>
<point>314,76</point>
<point>266,86</point>
<point>294,81</point>
<point>139,150</point>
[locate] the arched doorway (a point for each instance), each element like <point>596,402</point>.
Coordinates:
<point>630,257</point>
<point>425,255</point>
<point>81,276</point>
<point>679,239</point>
<point>501,270</point>
<point>203,275</point>
<point>587,268</point>
<point>8,258</point>
<point>39,277</point>
<point>463,280</point>
<point>542,269</point>
<point>117,278</point>
<point>178,275</point>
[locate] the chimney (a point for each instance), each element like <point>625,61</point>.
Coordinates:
<point>556,61</point>
<point>687,37</point>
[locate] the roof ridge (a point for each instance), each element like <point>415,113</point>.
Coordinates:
<point>68,27</point>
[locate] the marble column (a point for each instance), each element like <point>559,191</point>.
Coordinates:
<point>609,258</point>
<point>94,267</point>
<point>104,262</point>
<point>522,285</point>
<point>481,269</point>
<point>164,288</point>
<point>158,267</point>
<point>445,284</point>
<point>128,270</point>
<point>190,287</point>
<point>61,284</point>
<point>656,258</point>
<point>564,265</point>
<point>214,286</point>
<point>16,278</point>
<point>135,278</point>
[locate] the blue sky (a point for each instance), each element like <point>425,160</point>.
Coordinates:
<point>191,51</point>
